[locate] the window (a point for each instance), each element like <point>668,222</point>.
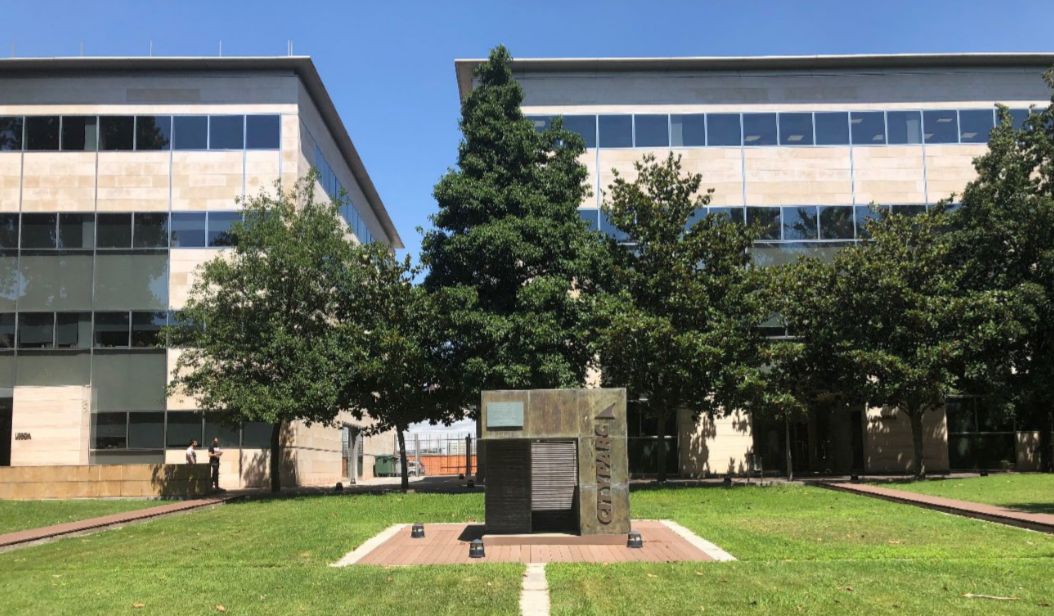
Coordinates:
<point>183,427</point>
<point>10,133</point>
<point>226,132</point>
<point>111,329</point>
<point>864,214</point>
<point>908,210</point>
<point>127,280</point>
<point>652,131</point>
<point>262,132</point>
<point>146,328</point>
<point>591,218</point>
<point>116,133</point>
<point>36,330</point>
<point>79,133</point>
<point>799,223</point>
<point>1018,117</point>
<point>905,127</point>
<point>191,132</point>
<point>768,219</point>
<point>55,281</point>
<point>975,124</point>
<point>256,435</point>
<point>146,430</point>
<point>129,380</point>
<point>214,429</point>
<point>832,128</point>
<point>42,133</point>
<point>608,228</point>
<point>188,230</point>
<point>688,130</point>
<point>735,214</point>
<point>73,330</point>
<point>153,132</point>
<point>8,230</point>
<point>941,126</point>
<point>584,125</point>
<point>220,228</point>
<point>76,231</point>
<point>109,431</point>
<point>114,231</point>
<point>39,231</point>
<point>723,129</point>
<point>7,330</point>
<point>540,123</point>
<point>616,131</point>
<point>869,127</point>
<point>796,129</point>
<point>759,129</point>
<point>150,231</point>
<point>836,223</point>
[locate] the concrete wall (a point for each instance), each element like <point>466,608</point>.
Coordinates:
<point>888,445</point>
<point>714,446</point>
<point>57,421</point>
<point>102,481</point>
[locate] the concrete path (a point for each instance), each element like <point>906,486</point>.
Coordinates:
<point>534,598</point>
<point>1041,522</point>
<point>34,535</point>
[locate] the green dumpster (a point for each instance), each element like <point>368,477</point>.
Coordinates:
<point>384,466</point>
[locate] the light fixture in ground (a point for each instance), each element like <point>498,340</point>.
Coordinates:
<point>475,549</point>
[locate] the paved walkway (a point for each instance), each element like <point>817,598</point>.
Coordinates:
<point>26,537</point>
<point>1041,522</point>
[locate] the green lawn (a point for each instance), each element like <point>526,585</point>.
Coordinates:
<point>22,515</point>
<point>812,551</point>
<point>1033,493</point>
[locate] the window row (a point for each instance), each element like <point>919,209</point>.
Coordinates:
<point>348,211</point>
<point>139,230</point>
<point>40,281</point>
<point>83,330</point>
<point>146,132</point>
<point>784,129</point>
<point>788,223</point>
<point>121,379</point>
<point>160,430</point>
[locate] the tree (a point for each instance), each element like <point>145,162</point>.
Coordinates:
<point>905,331</point>
<point>509,257</point>
<point>680,311</point>
<point>401,378</point>
<point>1003,241</point>
<point>257,328</point>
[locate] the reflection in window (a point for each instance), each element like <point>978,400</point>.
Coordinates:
<point>111,330</point>
<point>723,129</point>
<point>7,330</point>
<point>9,231</point>
<point>975,125</point>
<point>256,435</point>
<point>759,129</point>
<point>832,128</point>
<point>616,131</point>
<point>150,231</point>
<point>109,431</point>
<point>79,133</point>
<point>767,219</point>
<point>36,330</point>
<point>220,223</point>
<point>584,125</point>
<point>131,280</point>
<point>39,231</point>
<point>215,429</point>
<point>114,231</point>
<point>540,123</point>
<point>799,223</point>
<point>908,210</point>
<point>836,223</point>
<point>796,129</point>
<point>116,133</point>
<point>735,214</point>
<point>76,231</point>
<point>607,227</point>
<point>905,127</point>
<point>183,427</point>
<point>188,230</point>
<point>153,132</point>
<point>591,218</point>
<point>1019,117</point>
<point>652,131</point>
<point>146,430</point>
<point>129,380</point>
<point>73,330</point>
<point>55,280</point>
<point>42,133</point>
<point>191,132</point>
<point>869,127</point>
<point>941,126</point>
<point>688,130</point>
<point>10,133</point>
<point>864,215</point>
<point>146,328</point>
<point>226,132</point>
<point>262,132</point>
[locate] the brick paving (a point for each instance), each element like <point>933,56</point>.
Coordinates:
<point>1041,522</point>
<point>25,537</point>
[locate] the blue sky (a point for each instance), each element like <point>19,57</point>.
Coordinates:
<point>389,65</point>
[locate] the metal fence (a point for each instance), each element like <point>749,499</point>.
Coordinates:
<point>436,453</point>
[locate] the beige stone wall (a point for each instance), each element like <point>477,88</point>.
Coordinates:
<point>207,180</point>
<point>798,176</point>
<point>183,272</point>
<point>58,181</point>
<point>888,445</point>
<point>318,454</point>
<point>949,168</point>
<point>134,181</point>
<point>714,446</point>
<point>1028,452</point>
<point>239,468</point>
<point>102,481</point>
<point>58,422</point>
<point>10,181</point>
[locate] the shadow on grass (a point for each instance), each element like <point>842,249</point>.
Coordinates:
<point>1032,507</point>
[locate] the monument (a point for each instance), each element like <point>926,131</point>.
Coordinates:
<point>556,461</point>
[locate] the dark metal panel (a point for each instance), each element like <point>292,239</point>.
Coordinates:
<point>507,499</point>
<point>554,486</point>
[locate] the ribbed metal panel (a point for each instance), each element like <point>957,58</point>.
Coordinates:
<point>554,475</point>
<point>507,498</point>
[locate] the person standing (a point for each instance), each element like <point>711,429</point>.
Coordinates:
<point>214,461</point>
<point>192,456</point>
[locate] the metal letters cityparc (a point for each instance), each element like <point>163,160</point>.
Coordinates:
<point>603,449</point>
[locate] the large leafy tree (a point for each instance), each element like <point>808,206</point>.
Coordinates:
<point>680,310</point>
<point>508,257</point>
<point>1004,240</point>
<point>257,328</point>
<point>401,377</point>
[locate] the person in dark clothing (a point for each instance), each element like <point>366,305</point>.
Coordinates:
<point>214,460</point>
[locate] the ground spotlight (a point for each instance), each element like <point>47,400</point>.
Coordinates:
<point>417,531</point>
<point>634,540</point>
<point>475,549</point>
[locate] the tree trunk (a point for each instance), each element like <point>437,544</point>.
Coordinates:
<point>790,456</point>
<point>402,457</point>
<point>276,457</point>
<point>916,441</point>
<point>660,421</point>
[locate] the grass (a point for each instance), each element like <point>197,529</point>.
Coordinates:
<point>812,551</point>
<point>23,515</point>
<point>1033,493</point>
<point>260,557</point>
